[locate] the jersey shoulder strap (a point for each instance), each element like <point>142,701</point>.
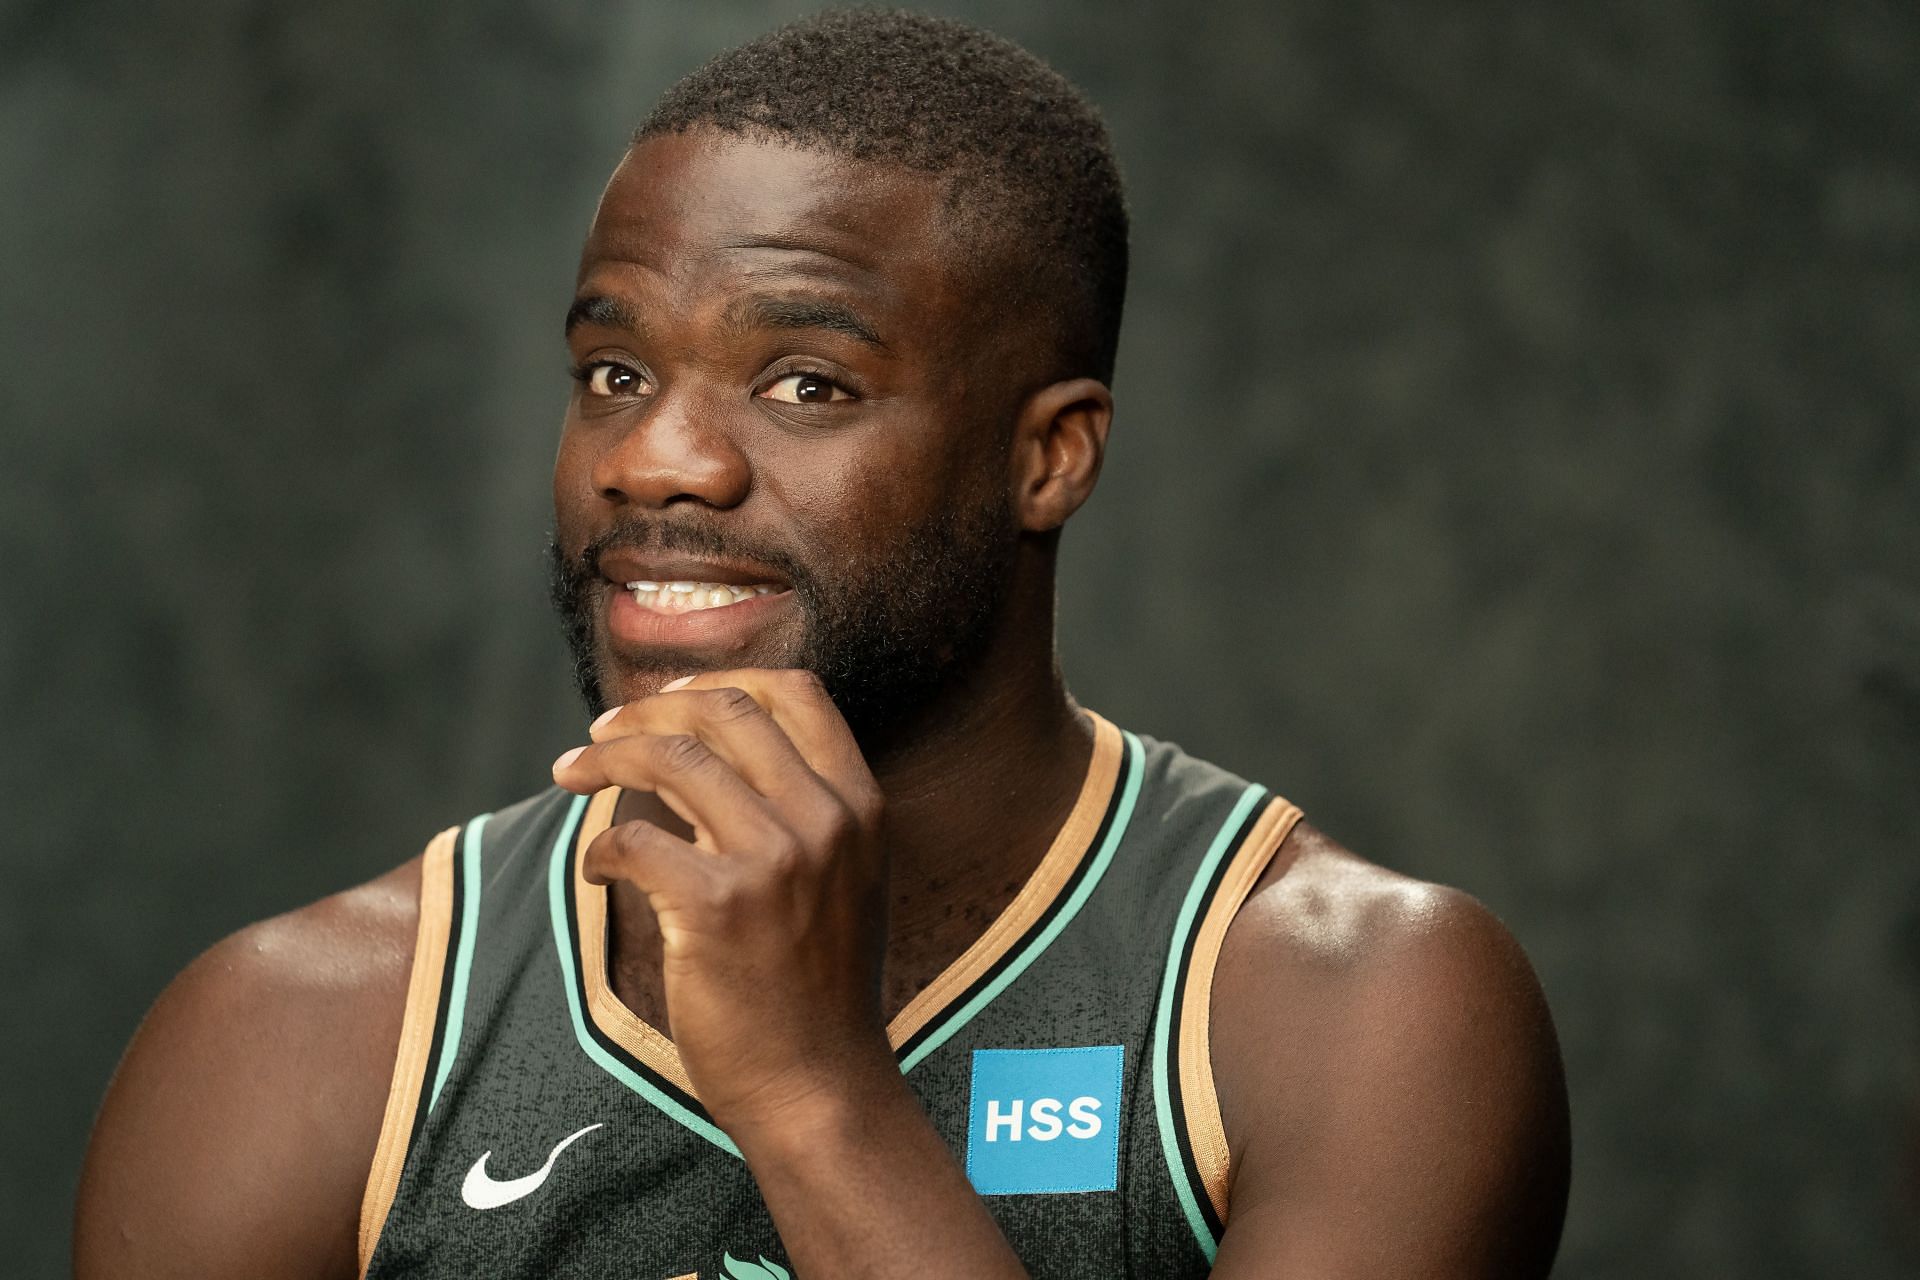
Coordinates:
<point>427,990</point>
<point>1220,835</point>
<point>487,853</point>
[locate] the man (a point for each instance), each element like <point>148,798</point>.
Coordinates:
<point>848,945</point>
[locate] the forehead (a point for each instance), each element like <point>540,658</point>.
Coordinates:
<point>706,209</point>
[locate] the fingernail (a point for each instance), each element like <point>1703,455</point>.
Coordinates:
<point>605,716</point>
<point>671,685</point>
<point>567,759</point>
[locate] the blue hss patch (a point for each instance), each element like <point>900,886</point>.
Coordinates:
<point>1044,1120</point>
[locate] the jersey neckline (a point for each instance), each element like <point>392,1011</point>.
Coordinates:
<point>646,1060</point>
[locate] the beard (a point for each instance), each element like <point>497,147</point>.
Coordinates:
<point>886,635</point>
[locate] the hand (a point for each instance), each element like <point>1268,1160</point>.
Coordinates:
<point>773,917</point>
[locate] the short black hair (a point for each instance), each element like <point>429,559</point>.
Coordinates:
<point>1027,158</point>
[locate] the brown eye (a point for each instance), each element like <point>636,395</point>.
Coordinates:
<point>605,379</point>
<point>804,388</point>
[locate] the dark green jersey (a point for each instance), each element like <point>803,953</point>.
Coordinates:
<point>537,1128</point>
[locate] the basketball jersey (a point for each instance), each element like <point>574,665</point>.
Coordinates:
<point>536,1127</point>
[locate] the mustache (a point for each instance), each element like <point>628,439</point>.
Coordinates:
<point>684,536</point>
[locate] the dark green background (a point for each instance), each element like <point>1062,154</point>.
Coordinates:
<point>1516,466</point>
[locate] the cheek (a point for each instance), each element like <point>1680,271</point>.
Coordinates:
<point>572,485</point>
<point>857,495</point>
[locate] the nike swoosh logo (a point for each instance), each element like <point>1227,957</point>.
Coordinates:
<point>482,1192</point>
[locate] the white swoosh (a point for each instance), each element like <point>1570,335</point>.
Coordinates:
<point>482,1192</point>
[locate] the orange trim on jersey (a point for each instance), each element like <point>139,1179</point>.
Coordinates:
<point>416,1039</point>
<point>1206,1133</point>
<point>631,1032</point>
<point>1041,891</point>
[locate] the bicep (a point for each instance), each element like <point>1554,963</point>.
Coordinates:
<point>1419,1128</point>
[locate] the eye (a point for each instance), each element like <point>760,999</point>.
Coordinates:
<point>805,388</point>
<point>605,379</point>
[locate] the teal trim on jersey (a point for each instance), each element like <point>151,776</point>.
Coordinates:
<point>564,940</point>
<point>463,957</point>
<point>1163,1020</point>
<point>1061,918</point>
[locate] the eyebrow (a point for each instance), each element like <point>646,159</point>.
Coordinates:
<point>772,313</point>
<point>808,313</point>
<point>607,313</point>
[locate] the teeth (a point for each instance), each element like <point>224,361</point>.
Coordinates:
<point>690,597</point>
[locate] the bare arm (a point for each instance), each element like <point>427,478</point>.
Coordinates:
<point>237,1134</point>
<point>1389,1079</point>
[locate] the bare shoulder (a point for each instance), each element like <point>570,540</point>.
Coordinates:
<point>1372,1031</point>
<point>1333,916</point>
<point>239,1128</point>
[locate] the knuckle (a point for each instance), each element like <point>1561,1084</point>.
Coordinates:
<point>623,841</point>
<point>800,680</point>
<point>603,853</point>
<point>838,822</point>
<point>616,852</point>
<point>726,898</point>
<point>865,804</point>
<point>679,752</point>
<point>722,705</point>
<point>783,853</point>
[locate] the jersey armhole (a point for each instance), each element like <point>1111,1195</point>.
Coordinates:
<point>418,1030</point>
<point>1205,1129</point>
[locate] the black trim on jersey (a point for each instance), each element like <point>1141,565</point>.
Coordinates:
<point>1088,857</point>
<point>1176,1104</point>
<point>455,923</point>
<point>575,940</point>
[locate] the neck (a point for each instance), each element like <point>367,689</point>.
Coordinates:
<point>976,788</point>
<point>977,792</point>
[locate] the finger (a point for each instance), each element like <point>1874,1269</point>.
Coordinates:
<point>799,704</point>
<point>733,724</point>
<point>685,773</point>
<point>652,860</point>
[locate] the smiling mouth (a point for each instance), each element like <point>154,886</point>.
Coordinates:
<point>695,597</point>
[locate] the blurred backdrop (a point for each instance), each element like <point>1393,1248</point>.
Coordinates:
<point>1516,466</point>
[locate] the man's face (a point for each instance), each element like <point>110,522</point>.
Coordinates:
<point>777,431</point>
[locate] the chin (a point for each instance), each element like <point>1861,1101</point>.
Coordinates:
<point>618,680</point>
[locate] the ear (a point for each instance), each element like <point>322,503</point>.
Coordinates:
<point>1059,441</point>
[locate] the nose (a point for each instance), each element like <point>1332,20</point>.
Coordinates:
<point>672,453</point>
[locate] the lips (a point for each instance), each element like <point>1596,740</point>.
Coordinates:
<point>631,568</point>
<point>693,604</point>
<point>692,597</point>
